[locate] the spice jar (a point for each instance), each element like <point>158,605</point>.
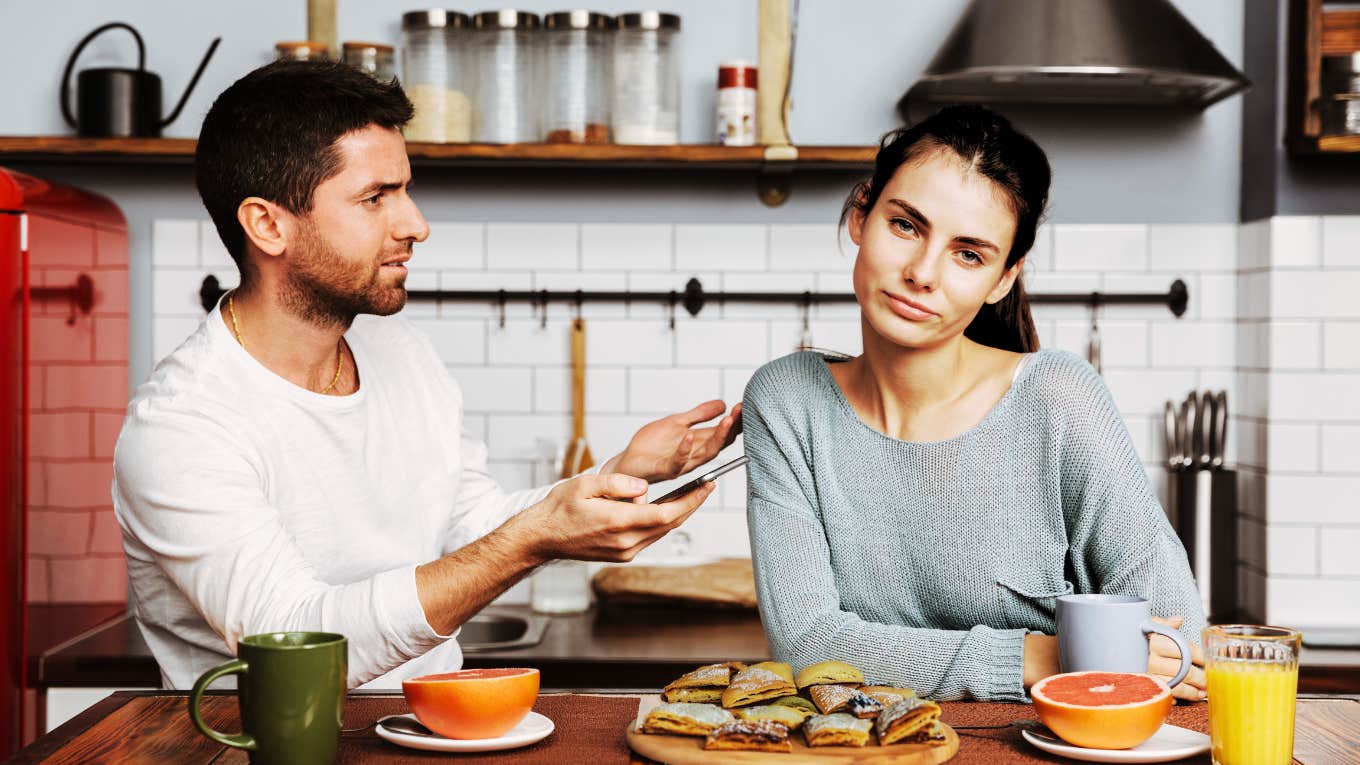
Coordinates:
<point>646,92</point>
<point>576,80</point>
<point>434,71</point>
<point>736,103</point>
<point>374,58</point>
<point>504,45</point>
<point>301,50</point>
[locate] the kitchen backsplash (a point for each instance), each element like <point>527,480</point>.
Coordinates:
<point>1299,437</point>
<point>78,386</point>
<point>516,378</point>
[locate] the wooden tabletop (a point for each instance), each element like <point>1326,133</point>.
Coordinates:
<point>154,727</point>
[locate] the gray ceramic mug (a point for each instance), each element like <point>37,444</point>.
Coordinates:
<point>1109,633</point>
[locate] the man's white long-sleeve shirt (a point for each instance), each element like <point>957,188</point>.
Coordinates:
<point>250,505</point>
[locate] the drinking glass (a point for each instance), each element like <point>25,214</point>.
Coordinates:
<point>1253,674</point>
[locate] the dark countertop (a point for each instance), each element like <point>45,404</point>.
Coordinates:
<point>612,649</point>
<point>616,648</point>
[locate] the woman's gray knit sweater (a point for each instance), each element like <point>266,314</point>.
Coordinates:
<point>926,563</point>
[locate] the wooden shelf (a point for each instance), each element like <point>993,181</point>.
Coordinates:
<point>69,149</point>
<point>1327,145</point>
<point>1314,32</point>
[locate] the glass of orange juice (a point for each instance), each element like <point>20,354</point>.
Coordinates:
<point>1253,674</point>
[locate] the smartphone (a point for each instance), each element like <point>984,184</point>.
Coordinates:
<point>708,477</point>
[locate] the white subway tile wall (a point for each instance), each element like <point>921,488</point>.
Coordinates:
<point>1264,322</point>
<point>1299,367</point>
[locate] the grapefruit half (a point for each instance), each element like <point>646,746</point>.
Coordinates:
<point>472,703</point>
<point>1102,710</point>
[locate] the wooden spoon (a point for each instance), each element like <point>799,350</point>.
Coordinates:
<point>578,455</point>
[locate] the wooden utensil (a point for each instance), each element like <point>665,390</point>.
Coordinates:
<point>578,455</point>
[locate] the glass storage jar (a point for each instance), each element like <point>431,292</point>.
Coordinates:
<point>434,74</point>
<point>374,58</point>
<point>576,78</point>
<point>646,92</point>
<point>505,47</point>
<point>301,50</point>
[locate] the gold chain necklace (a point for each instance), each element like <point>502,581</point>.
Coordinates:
<point>339,347</point>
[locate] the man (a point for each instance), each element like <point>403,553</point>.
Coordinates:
<point>297,463</point>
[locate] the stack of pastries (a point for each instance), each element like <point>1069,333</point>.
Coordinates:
<point>756,707</point>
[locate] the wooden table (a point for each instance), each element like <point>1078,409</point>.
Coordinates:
<point>149,727</point>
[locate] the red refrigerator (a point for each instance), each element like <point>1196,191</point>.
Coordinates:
<point>63,276</point>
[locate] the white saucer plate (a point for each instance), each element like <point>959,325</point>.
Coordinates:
<point>1168,744</point>
<point>533,728</point>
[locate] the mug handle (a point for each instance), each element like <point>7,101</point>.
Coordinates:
<point>1181,645</point>
<point>238,740</point>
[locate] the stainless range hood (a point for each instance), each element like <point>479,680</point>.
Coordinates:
<point>1129,52</point>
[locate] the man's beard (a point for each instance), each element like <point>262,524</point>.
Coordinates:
<point>322,288</point>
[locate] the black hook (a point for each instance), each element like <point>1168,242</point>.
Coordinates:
<point>579,300</point>
<point>543,317</point>
<point>675,297</point>
<point>500,304</point>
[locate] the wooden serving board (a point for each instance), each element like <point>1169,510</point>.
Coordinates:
<point>689,750</point>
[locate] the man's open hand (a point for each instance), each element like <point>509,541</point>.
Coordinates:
<point>672,446</point>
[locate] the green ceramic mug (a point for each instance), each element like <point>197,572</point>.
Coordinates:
<point>292,695</point>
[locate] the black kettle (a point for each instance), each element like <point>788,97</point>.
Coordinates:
<point>117,102</point>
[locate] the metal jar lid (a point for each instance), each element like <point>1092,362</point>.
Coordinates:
<point>354,45</point>
<point>649,20</point>
<point>506,19</point>
<point>578,20</point>
<point>434,18</point>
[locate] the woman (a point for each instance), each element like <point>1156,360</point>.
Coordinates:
<point>917,509</point>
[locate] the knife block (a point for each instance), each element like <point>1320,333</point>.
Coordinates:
<point>1220,578</point>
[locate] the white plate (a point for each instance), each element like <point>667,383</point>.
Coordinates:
<point>534,727</point>
<point>1169,743</point>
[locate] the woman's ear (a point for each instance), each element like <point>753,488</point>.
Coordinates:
<point>857,216</point>
<point>262,222</point>
<point>1003,287</point>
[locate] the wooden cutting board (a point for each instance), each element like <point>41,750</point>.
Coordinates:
<point>689,750</point>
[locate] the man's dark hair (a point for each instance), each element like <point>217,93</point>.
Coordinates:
<point>273,135</point>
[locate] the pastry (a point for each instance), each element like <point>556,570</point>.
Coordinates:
<point>693,695</point>
<point>863,706</point>
<point>827,672</point>
<point>910,720</point>
<point>702,685</point>
<point>708,676</point>
<point>791,717</point>
<point>807,708</point>
<point>685,719</point>
<point>777,667</point>
<point>750,735</point>
<point>887,695</point>
<point>836,730</point>
<point>759,682</point>
<point>844,698</point>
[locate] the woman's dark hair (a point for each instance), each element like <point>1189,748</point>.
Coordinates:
<point>997,151</point>
<point>272,134</point>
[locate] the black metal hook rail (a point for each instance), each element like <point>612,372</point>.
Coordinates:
<point>80,293</point>
<point>694,298</point>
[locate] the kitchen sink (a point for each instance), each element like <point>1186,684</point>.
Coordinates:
<point>496,631</point>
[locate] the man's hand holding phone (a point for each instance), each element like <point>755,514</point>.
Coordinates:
<point>707,478</point>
